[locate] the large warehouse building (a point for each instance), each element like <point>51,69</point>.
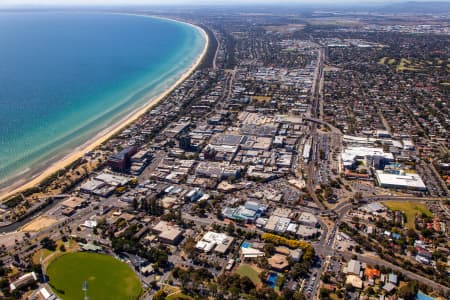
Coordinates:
<point>400,181</point>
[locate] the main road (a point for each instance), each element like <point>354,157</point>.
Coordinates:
<point>315,99</point>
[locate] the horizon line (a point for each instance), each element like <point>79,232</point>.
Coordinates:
<point>216,4</point>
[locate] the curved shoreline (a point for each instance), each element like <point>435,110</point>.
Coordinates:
<point>107,133</point>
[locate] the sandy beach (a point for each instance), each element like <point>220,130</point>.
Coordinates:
<point>104,135</point>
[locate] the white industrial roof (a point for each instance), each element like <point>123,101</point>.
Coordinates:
<point>212,239</point>
<point>90,223</point>
<point>251,252</point>
<point>354,267</point>
<point>350,154</point>
<point>292,227</point>
<point>92,185</point>
<point>402,181</point>
<point>112,179</point>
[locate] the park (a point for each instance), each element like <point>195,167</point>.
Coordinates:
<point>106,277</point>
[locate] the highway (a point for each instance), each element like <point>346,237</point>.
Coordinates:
<point>332,128</point>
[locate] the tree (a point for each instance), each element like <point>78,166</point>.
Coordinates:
<point>265,293</point>
<point>160,295</point>
<point>263,276</point>
<point>230,229</point>
<point>349,287</point>
<point>324,293</point>
<point>412,234</point>
<point>409,291</point>
<point>189,247</point>
<point>298,296</point>
<point>428,233</point>
<point>246,284</point>
<point>48,243</point>
<point>262,262</point>
<point>280,281</point>
<point>4,285</point>
<point>326,278</point>
<point>269,248</point>
<point>298,270</point>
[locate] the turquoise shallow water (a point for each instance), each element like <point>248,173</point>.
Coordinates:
<point>64,77</point>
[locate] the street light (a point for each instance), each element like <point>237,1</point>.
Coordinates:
<point>85,289</point>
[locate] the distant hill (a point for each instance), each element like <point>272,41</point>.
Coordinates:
<point>441,7</point>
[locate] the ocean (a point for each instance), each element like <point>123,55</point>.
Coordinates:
<point>66,76</point>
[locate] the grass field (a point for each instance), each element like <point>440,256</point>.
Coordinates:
<point>41,253</point>
<point>413,64</point>
<point>107,277</point>
<point>410,209</point>
<point>250,272</point>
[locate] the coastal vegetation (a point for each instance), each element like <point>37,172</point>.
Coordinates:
<point>208,59</point>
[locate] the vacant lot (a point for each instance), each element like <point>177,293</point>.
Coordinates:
<point>411,209</point>
<point>38,224</point>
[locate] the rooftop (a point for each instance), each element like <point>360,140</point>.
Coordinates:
<point>278,261</point>
<point>73,202</point>
<point>350,154</point>
<point>355,281</point>
<point>213,240</point>
<point>353,267</point>
<point>307,218</point>
<point>407,181</point>
<point>167,231</point>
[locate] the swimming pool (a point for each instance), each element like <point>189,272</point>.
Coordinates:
<point>272,280</point>
<point>422,296</point>
<point>246,245</point>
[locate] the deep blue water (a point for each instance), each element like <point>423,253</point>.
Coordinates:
<point>66,76</point>
<point>272,280</point>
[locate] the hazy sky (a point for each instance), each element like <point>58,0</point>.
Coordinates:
<point>115,2</point>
